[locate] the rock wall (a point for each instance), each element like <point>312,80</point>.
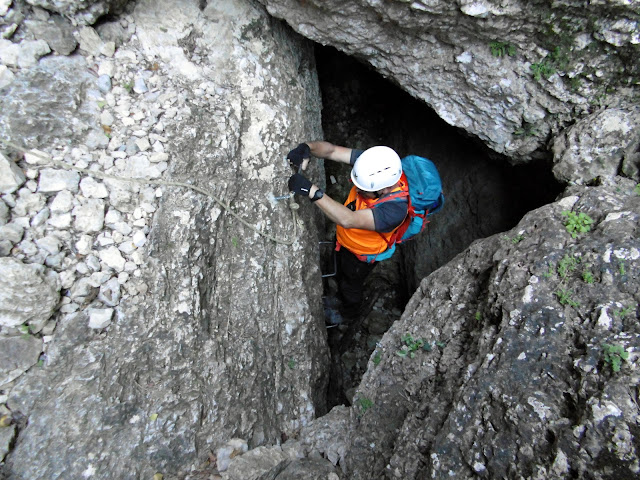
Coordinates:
<point>177,327</point>
<point>513,73</point>
<point>518,359</point>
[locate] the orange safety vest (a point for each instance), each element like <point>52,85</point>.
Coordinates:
<point>369,242</point>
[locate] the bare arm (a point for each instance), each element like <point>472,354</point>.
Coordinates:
<point>330,151</point>
<point>341,215</point>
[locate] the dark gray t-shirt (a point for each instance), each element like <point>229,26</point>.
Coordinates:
<point>387,215</point>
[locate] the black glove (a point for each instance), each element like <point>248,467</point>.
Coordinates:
<point>298,154</point>
<point>300,185</point>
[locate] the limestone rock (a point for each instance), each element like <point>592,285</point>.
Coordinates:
<point>6,77</point>
<point>83,11</point>
<point>89,216</point>
<point>57,32</point>
<point>52,180</point>
<point>516,364</point>
<point>215,322</point>
<point>598,145</point>
<point>17,355</point>
<point>11,176</point>
<point>42,104</point>
<point>524,76</point>
<point>28,293</point>
<point>100,317</point>
<point>7,436</point>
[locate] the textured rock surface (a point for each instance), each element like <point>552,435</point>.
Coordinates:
<point>474,61</point>
<point>179,328</point>
<point>82,11</point>
<point>515,383</point>
<point>601,146</point>
<point>28,293</point>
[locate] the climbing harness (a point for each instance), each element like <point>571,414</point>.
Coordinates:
<point>149,181</point>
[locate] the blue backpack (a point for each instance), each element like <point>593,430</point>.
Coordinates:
<point>425,198</point>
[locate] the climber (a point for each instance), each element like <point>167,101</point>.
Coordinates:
<point>375,208</point>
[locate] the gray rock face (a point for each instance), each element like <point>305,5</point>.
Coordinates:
<point>518,377</point>
<point>601,145</point>
<point>180,327</point>
<point>28,294</point>
<point>39,105</point>
<point>82,11</point>
<point>510,72</point>
<point>17,355</point>
<point>11,176</point>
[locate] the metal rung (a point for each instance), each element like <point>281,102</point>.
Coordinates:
<point>335,260</point>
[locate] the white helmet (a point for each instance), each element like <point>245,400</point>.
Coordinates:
<point>376,168</point>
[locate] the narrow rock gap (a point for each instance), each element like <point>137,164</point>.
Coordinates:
<point>484,195</point>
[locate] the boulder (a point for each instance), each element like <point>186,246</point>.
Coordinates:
<point>28,293</point>
<point>11,176</point>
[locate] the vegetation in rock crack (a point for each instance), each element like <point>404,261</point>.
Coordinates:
<point>377,358</point>
<point>564,297</point>
<point>567,265</point>
<point>624,311</point>
<point>26,333</point>
<point>587,276</point>
<point>291,363</point>
<point>542,69</point>
<point>101,104</point>
<point>637,189</point>
<point>128,86</point>
<point>411,346</point>
<point>557,59</point>
<point>614,355</point>
<point>500,49</point>
<point>478,316</point>
<point>365,404</point>
<point>526,130</point>
<point>551,270</point>
<point>516,239</point>
<point>621,269</point>
<point>577,223</point>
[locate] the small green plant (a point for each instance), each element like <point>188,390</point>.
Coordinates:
<point>24,330</point>
<point>517,239</point>
<point>411,345</point>
<point>101,104</point>
<point>587,276</point>
<point>567,265</point>
<point>621,269</point>
<point>500,49</point>
<point>551,270</point>
<point>234,241</point>
<point>614,355</point>
<point>543,69</point>
<point>292,363</point>
<point>377,358</point>
<point>637,189</point>
<point>365,404</point>
<point>440,344</point>
<point>526,130</point>
<point>624,311</point>
<point>564,297</point>
<point>577,223</point>
<point>478,316</point>
<point>128,86</point>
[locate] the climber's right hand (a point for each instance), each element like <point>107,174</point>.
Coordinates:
<point>299,184</point>
<point>298,155</point>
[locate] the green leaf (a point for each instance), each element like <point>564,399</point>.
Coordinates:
<point>153,417</point>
